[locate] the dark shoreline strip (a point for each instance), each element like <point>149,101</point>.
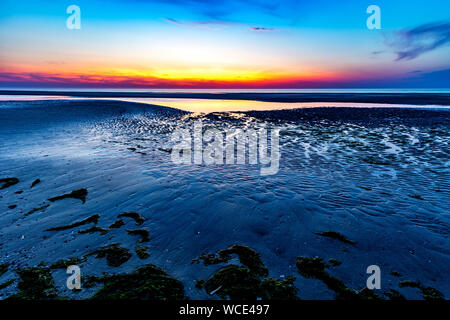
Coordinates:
<point>413,98</point>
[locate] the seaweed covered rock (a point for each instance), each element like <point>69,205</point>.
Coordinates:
<point>35,284</point>
<point>145,283</point>
<point>63,264</point>
<point>137,217</point>
<point>429,293</point>
<point>394,295</point>
<point>115,255</point>
<point>311,267</point>
<point>143,233</point>
<point>248,257</point>
<point>211,258</point>
<point>315,267</point>
<point>246,282</point>
<point>235,282</point>
<point>142,252</point>
<point>275,289</point>
<point>334,262</point>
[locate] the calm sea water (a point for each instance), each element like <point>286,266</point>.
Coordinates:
<point>218,105</point>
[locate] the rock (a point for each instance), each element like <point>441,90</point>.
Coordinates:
<point>145,283</point>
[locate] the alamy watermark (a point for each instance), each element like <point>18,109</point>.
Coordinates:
<point>74,20</point>
<point>74,280</point>
<point>374,280</point>
<point>230,146</point>
<point>374,20</point>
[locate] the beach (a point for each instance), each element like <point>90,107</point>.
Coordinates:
<point>355,187</point>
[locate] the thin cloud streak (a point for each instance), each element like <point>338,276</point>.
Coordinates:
<point>412,43</point>
<point>262,29</point>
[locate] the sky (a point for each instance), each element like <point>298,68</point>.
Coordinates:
<point>224,44</point>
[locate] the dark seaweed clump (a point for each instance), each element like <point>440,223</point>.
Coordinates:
<point>133,215</point>
<point>315,268</point>
<point>247,282</point>
<point>7,284</point>
<point>276,289</point>
<point>93,230</point>
<point>211,258</point>
<point>8,182</point>
<point>144,234</point>
<point>3,268</point>
<point>141,252</point>
<point>35,182</point>
<point>37,209</point>
<point>145,283</point>
<point>335,235</point>
<point>394,295</point>
<point>115,255</point>
<point>92,219</point>
<point>395,273</point>
<point>35,284</point>
<point>334,262</point>
<point>248,257</point>
<point>63,264</point>
<point>79,194</point>
<point>428,293</point>
<point>234,282</point>
<point>117,224</point>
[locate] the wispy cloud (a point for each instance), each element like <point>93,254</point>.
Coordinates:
<point>411,43</point>
<point>262,29</point>
<point>173,21</point>
<point>225,10</point>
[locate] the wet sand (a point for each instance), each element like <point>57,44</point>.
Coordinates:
<point>92,183</point>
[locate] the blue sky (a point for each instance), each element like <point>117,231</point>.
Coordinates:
<point>227,43</point>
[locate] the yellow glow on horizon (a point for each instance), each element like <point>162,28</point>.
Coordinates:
<point>202,74</point>
<point>218,74</point>
<point>90,73</point>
